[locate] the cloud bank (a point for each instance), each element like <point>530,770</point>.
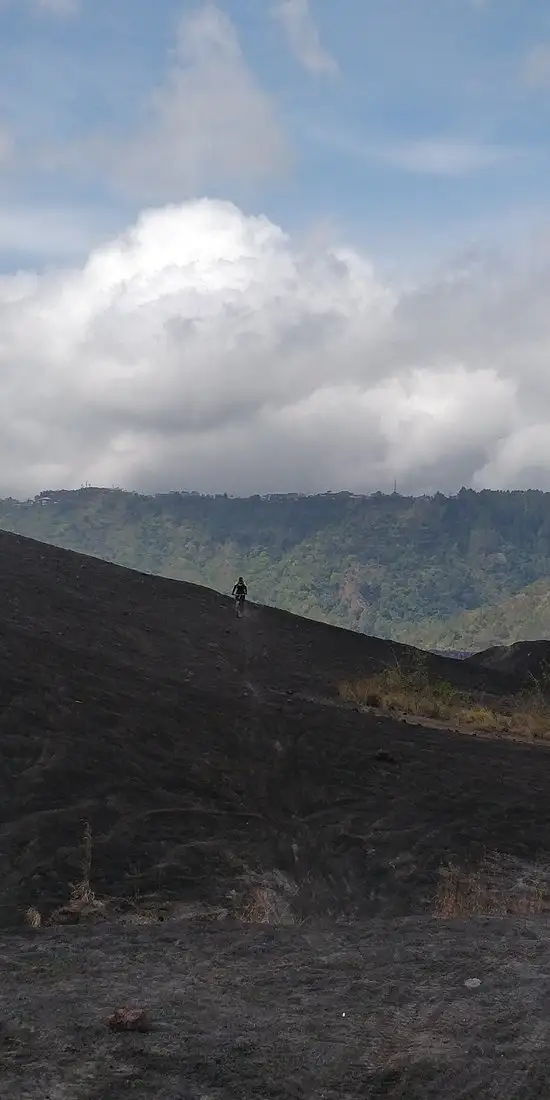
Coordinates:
<point>203,349</point>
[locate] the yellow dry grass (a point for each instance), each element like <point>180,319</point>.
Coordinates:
<point>484,892</point>
<point>415,693</point>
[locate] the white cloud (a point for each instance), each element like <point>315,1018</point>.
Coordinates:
<point>435,157</point>
<point>441,158</point>
<point>209,123</point>
<point>201,349</point>
<point>536,66</point>
<point>297,21</point>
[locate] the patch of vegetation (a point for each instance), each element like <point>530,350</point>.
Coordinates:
<point>415,692</point>
<point>522,617</point>
<point>406,691</point>
<point>82,902</point>
<point>489,890</point>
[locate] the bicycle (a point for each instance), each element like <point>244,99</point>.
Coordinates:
<point>239,604</point>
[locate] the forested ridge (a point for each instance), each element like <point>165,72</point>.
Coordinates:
<point>387,565</point>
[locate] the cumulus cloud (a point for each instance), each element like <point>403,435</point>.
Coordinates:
<point>203,349</point>
<point>210,122</point>
<point>303,37</point>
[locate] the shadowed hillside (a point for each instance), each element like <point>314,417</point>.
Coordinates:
<point>164,761</point>
<point>145,707</point>
<point>528,660</point>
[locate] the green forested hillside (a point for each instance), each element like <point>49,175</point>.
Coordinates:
<point>520,618</point>
<point>378,564</point>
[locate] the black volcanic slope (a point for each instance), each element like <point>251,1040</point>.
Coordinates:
<point>526,660</point>
<point>198,746</point>
<point>222,777</point>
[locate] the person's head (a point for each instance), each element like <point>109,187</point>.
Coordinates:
<point>240,580</point>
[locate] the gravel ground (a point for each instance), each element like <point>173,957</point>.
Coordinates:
<point>373,1010</point>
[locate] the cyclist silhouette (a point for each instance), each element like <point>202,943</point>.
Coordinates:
<point>240,592</point>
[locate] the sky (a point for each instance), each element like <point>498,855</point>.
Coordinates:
<point>262,246</point>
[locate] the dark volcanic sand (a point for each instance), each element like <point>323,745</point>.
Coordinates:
<point>216,766</point>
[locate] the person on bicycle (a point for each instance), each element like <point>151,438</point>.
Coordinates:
<point>240,591</point>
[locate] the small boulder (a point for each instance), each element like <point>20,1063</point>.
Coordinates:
<point>130,1019</point>
<point>386,757</point>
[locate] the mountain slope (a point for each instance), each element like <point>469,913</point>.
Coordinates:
<point>205,750</point>
<point>273,870</point>
<point>375,564</point>
<point>529,659</point>
<point>522,617</point>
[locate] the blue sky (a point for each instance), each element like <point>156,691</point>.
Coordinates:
<point>418,127</point>
<point>255,246</point>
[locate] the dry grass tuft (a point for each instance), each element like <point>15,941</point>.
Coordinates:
<point>262,906</point>
<point>413,692</point>
<point>410,691</point>
<point>32,917</point>
<point>82,901</point>
<point>266,899</point>
<point>486,890</point>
